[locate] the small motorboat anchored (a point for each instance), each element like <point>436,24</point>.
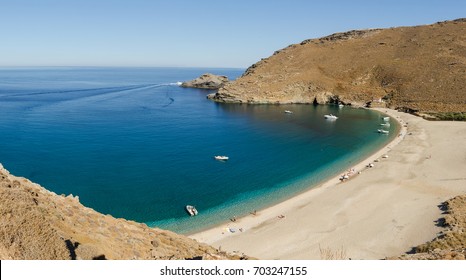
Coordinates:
<point>192,211</point>
<point>288,112</point>
<point>382,131</point>
<point>330,117</point>
<point>386,119</point>
<point>222,158</point>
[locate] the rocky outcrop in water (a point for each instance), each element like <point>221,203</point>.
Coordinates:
<point>207,81</point>
<point>38,224</point>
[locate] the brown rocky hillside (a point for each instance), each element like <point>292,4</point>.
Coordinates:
<point>421,68</point>
<point>38,224</point>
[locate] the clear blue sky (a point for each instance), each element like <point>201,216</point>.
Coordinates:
<point>202,33</point>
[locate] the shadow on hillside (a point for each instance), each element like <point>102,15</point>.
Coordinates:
<point>72,248</point>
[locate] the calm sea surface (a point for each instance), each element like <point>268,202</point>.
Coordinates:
<point>131,143</point>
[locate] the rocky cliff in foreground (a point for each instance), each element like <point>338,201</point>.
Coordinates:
<point>38,224</point>
<point>420,68</point>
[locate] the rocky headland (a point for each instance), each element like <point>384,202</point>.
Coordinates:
<point>38,224</point>
<point>207,81</point>
<point>418,69</point>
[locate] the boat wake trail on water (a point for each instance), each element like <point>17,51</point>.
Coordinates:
<point>53,97</point>
<point>90,91</point>
<point>170,103</point>
<point>171,100</point>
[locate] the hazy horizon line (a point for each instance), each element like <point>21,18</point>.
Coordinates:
<point>116,66</point>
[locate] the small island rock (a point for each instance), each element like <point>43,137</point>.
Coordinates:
<point>207,81</point>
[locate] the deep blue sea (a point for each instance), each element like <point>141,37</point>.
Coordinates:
<point>131,143</point>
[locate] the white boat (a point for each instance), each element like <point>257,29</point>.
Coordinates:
<point>330,117</point>
<point>385,124</point>
<point>288,112</point>
<point>221,158</point>
<point>341,105</point>
<point>382,131</point>
<point>386,119</point>
<point>192,211</point>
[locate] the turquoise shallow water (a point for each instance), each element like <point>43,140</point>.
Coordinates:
<point>131,143</point>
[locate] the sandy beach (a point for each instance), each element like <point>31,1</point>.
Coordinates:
<point>383,211</point>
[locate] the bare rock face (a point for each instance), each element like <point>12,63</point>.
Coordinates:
<point>38,224</point>
<point>207,81</point>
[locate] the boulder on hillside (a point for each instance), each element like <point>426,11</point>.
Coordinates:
<point>207,81</point>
